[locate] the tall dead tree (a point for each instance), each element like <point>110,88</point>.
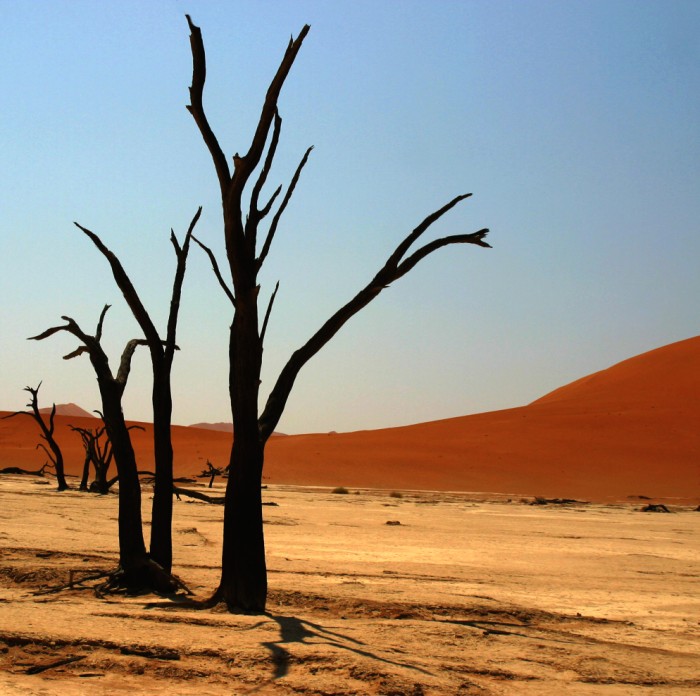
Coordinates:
<point>47,433</point>
<point>243,583</point>
<point>136,569</point>
<point>162,352</point>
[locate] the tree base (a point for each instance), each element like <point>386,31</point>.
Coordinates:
<point>146,578</point>
<point>235,605</point>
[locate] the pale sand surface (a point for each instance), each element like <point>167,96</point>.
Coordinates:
<point>463,597</point>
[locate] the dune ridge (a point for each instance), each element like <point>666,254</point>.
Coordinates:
<point>629,430</point>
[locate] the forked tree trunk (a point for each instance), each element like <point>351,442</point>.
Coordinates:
<point>137,571</point>
<point>162,351</point>
<point>243,579</point>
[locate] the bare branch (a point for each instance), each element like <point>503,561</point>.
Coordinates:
<point>255,214</point>
<point>280,211</point>
<point>50,455</point>
<point>100,322</point>
<point>125,364</point>
<point>473,238</point>
<point>267,313</point>
<point>196,108</point>
<point>250,161</point>
<point>17,413</point>
<point>71,326</point>
<point>402,248</point>
<point>74,354</point>
<point>127,287</point>
<point>174,241</point>
<point>52,416</point>
<point>392,270</point>
<point>48,332</point>
<point>268,206</point>
<point>181,253</point>
<point>217,272</point>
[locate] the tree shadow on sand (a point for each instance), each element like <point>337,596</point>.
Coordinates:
<point>299,631</point>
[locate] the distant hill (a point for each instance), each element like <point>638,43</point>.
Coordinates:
<point>69,410</point>
<point>220,427</point>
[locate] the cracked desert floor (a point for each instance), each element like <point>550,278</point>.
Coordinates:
<point>465,595</point>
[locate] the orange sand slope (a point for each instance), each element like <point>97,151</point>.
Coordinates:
<point>630,430</point>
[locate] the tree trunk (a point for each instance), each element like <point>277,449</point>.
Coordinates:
<point>86,470</point>
<point>243,571</point>
<point>243,583</point>
<point>58,465</point>
<point>100,484</point>
<point>162,510</point>
<point>133,558</point>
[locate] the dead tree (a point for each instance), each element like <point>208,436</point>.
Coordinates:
<point>136,569</point>
<point>162,352</point>
<point>47,433</point>
<point>86,462</point>
<point>17,470</point>
<point>98,454</point>
<point>211,472</point>
<point>243,583</point>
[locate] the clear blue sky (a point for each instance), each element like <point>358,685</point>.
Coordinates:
<point>576,125</point>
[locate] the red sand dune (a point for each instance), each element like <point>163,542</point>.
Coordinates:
<point>630,430</point>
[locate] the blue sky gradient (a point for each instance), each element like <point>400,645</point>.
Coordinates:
<point>575,125</point>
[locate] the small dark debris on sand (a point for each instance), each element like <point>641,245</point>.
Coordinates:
<point>654,507</point>
<point>153,653</point>
<point>557,501</point>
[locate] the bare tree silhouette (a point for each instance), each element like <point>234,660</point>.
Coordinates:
<point>136,570</point>
<point>243,583</point>
<point>162,352</point>
<point>99,454</point>
<point>47,433</point>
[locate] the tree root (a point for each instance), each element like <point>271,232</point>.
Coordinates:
<point>148,577</point>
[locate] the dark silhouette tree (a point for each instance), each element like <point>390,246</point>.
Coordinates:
<point>47,433</point>
<point>136,569</point>
<point>99,454</point>
<point>25,472</point>
<point>211,472</point>
<point>243,584</point>
<point>86,435</point>
<point>162,352</point>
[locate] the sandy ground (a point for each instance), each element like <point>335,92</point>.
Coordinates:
<point>461,597</point>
